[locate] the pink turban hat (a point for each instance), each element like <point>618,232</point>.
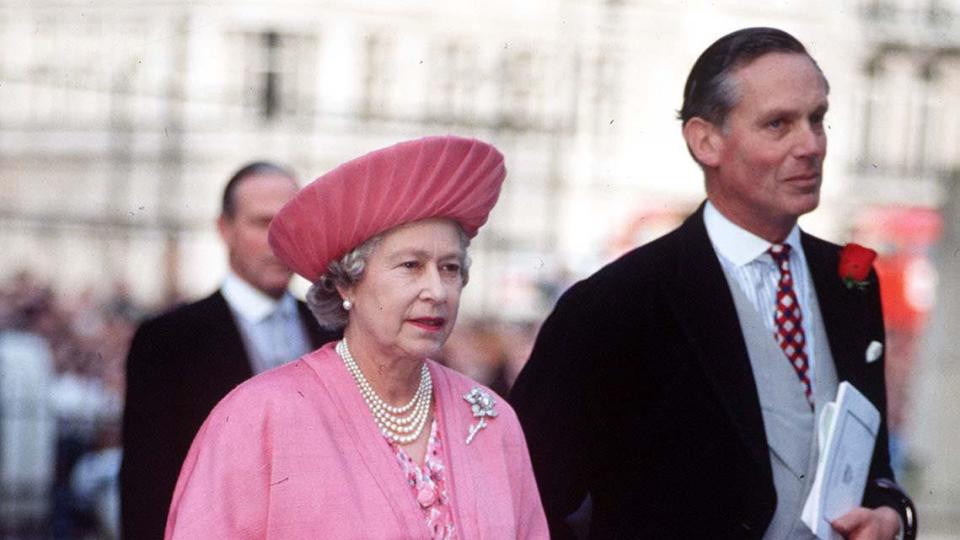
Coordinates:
<point>433,177</point>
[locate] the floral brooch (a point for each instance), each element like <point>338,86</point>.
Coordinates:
<point>481,405</point>
<point>855,264</point>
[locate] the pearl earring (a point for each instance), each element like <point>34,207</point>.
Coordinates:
<point>347,305</point>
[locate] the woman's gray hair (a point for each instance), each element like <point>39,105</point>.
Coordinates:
<point>324,299</point>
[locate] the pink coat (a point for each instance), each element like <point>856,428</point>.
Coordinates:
<point>294,453</point>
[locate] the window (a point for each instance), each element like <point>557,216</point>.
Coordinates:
<point>276,78</point>
<point>518,107</point>
<point>378,81</point>
<point>454,83</point>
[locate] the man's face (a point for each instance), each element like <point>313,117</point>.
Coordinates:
<point>257,199</point>
<point>770,152</point>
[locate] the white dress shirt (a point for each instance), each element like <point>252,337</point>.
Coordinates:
<point>271,329</point>
<point>744,256</point>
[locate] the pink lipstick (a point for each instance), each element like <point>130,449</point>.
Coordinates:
<point>430,324</point>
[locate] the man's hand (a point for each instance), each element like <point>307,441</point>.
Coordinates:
<point>868,524</point>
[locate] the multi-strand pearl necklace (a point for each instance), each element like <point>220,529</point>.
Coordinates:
<point>402,425</point>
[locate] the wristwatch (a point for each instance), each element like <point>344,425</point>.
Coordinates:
<point>904,507</point>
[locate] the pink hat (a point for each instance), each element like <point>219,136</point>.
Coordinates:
<point>448,177</point>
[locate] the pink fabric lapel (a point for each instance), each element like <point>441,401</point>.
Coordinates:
<point>453,414</point>
<point>372,449</point>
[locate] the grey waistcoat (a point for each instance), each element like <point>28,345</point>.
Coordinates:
<point>787,418</point>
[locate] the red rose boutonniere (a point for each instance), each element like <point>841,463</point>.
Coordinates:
<point>855,263</point>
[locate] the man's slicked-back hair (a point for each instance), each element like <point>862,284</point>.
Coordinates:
<point>710,92</point>
<point>229,204</point>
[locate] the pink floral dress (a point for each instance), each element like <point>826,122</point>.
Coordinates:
<point>429,487</point>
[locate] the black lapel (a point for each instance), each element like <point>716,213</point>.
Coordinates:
<point>840,307</point>
<point>233,352</point>
<point>705,305</point>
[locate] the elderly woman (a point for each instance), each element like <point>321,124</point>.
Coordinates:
<point>368,437</point>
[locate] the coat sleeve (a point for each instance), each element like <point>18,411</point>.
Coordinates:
<point>149,427</point>
<point>224,485</point>
<point>549,398</point>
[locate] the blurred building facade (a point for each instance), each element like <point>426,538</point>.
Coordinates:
<point>120,122</point>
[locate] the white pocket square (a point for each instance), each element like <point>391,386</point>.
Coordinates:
<point>874,351</point>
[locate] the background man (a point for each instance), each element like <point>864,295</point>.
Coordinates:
<point>678,387</point>
<point>183,362</point>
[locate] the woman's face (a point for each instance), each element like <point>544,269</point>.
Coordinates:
<point>406,303</point>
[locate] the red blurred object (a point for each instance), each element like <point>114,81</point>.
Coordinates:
<point>904,225</point>
<point>907,290</point>
<point>903,236</point>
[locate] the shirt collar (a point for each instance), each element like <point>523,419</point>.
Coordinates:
<point>736,244</point>
<point>248,302</point>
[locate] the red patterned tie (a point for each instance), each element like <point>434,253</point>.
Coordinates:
<point>788,319</point>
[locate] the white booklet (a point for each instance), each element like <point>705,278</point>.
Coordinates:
<point>848,431</point>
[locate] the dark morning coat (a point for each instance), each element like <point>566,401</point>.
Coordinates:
<point>639,391</point>
<point>179,366</point>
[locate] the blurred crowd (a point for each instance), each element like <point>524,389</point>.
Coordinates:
<point>62,358</point>
<point>87,335</point>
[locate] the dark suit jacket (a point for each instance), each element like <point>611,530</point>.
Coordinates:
<point>639,391</point>
<point>179,366</point>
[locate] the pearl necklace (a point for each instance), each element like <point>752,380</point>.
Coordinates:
<point>401,425</point>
